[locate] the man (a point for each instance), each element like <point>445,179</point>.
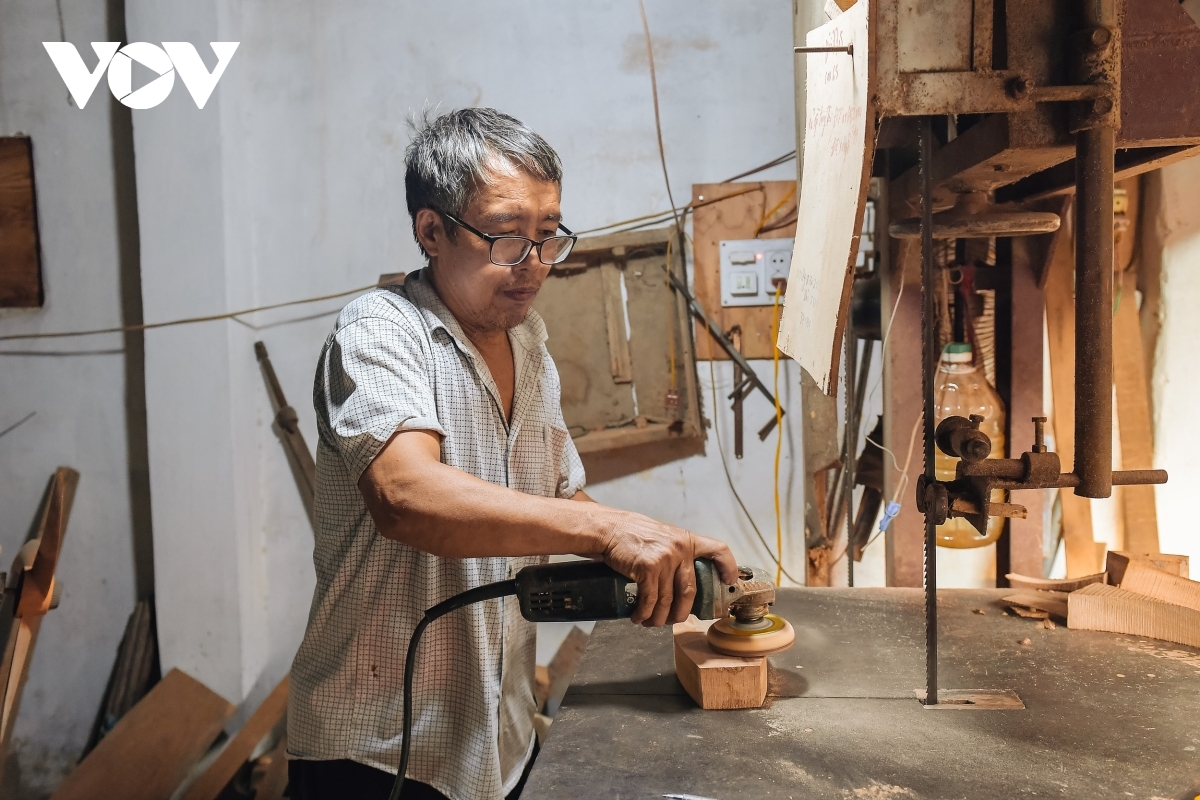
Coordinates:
<point>444,464</point>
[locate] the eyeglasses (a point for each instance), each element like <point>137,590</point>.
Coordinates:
<point>508,251</point>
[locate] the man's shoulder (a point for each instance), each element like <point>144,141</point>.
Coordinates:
<point>387,304</point>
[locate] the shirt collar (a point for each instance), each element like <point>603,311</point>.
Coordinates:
<point>530,333</point>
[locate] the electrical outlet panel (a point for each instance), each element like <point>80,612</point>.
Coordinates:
<point>749,269</point>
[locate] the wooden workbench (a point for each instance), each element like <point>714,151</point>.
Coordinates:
<point>1106,715</point>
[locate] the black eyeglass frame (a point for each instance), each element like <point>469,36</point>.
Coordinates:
<point>532,245</point>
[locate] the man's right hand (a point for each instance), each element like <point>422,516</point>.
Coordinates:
<point>660,558</point>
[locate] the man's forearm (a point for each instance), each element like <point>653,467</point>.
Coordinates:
<point>447,512</point>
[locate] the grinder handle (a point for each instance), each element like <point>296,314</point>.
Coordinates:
<point>578,591</point>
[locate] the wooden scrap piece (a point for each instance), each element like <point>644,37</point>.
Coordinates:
<point>214,779</point>
<point>1118,560</point>
<point>1100,607</point>
<point>713,680</point>
<point>152,748</point>
<point>1051,584</point>
<point>1144,579</point>
<point>1052,602</point>
<point>620,362</point>
<point>562,668</point>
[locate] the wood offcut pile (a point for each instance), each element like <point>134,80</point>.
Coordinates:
<point>1146,595</point>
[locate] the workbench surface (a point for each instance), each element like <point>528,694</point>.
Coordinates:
<point>1107,715</point>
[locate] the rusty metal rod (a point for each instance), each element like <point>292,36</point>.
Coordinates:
<point>1094,153</point>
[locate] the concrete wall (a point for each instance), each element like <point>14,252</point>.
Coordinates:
<point>289,184</point>
<point>1176,379</point>
<point>75,386</point>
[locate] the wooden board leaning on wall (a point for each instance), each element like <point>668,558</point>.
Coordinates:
<point>620,337</point>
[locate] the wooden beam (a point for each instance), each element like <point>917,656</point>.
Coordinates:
<point>1081,551</point>
<point>150,751</point>
<point>1135,423</point>
<point>1020,548</point>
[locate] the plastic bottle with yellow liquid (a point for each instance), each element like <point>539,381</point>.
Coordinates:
<point>961,390</point>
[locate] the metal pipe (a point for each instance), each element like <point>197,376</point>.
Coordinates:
<point>1094,153</point>
<point>851,390</point>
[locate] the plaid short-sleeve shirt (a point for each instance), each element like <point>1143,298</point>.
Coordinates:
<point>398,360</point>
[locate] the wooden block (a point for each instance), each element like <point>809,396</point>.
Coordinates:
<point>20,262</point>
<point>713,680</point>
<point>1119,560</point>
<point>1100,607</point>
<point>1050,584</point>
<point>152,748</point>
<point>1053,602</point>
<point>1143,578</point>
<point>209,785</point>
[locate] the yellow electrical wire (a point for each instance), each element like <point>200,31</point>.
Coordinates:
<point>779,435</point>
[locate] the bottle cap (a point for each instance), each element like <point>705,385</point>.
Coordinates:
<point>957,353</point>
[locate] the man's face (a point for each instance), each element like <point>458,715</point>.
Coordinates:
<point>485,297</point>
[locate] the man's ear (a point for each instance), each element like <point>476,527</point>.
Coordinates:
<point>430,230</point>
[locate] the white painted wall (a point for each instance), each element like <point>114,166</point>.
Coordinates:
<point>76,387</point>
<point>289,184</point>
<point>1176,377</point>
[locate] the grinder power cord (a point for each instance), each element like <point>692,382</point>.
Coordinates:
<point>581,591</point>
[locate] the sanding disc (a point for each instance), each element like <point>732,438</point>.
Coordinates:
<point>772,635</point>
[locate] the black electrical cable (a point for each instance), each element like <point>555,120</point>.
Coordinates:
<point>487,592</point>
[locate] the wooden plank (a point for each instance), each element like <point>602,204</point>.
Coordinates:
<point>214,779</point>
<point>1053,602</point>
<point>1019,375</point>
<point>614,320</point>
<point>1079,542</point>
<point>1142,578</point>
<point>627,436</point>
<point>37,588</point>
<point>1101,607</point>
<point>1134,415</point>
<point>20,259</point>
<point>713,680</point>
<point>29,596</point>
<point>738,217</point>
<point>152,748</point>
<point>1050,584</point>
<point>1118,560</point>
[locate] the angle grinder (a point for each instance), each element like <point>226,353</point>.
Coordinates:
<point>582,591</point>
<point>577,591</point>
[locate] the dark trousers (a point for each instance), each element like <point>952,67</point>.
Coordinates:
<point>349,780</point>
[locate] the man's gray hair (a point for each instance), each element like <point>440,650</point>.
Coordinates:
<point>453,155</point>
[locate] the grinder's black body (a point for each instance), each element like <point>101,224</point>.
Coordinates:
<point>576,591</point>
